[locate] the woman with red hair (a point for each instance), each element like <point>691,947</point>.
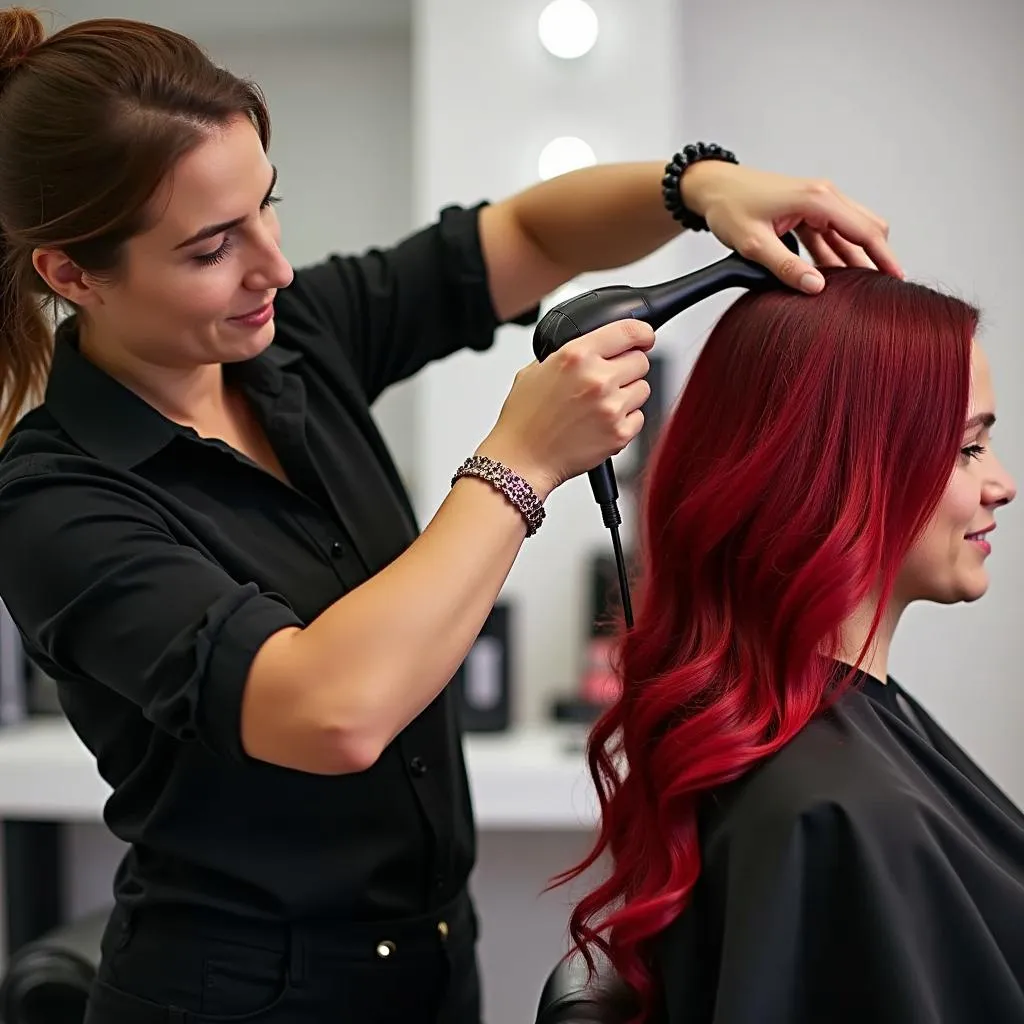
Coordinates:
<point>792,837</point>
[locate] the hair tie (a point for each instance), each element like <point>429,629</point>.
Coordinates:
<point>14,61</point>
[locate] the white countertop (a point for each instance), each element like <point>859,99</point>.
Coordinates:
<point>530,778</point>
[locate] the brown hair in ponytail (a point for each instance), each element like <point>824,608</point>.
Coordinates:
<point>91,121</point>
<point>25,340</point>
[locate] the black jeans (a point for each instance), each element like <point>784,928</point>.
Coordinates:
<point>161,967</point>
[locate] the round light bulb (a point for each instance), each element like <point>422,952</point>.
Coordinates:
<point>564,154</point>
<point>568,28</point>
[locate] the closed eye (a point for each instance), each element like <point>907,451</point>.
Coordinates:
<point>210,259</point>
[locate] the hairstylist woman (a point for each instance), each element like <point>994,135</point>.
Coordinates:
<point>204,540</point>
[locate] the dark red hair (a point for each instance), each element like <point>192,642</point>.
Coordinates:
<point>810,446</point>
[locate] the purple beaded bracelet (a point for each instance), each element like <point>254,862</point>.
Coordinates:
<point>515,488</point>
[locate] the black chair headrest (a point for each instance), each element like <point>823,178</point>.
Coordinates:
<point>569,998</point>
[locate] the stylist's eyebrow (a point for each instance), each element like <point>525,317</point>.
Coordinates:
<point>983,419</point>
<point>217,229</point>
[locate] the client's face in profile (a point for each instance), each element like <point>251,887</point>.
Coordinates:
<point>947,563</point>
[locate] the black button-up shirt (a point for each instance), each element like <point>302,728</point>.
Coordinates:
<point>145,566</point>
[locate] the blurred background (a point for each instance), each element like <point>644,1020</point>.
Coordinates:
<point>386,110</point>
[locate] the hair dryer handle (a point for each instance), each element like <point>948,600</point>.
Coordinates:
<point>606,492</point>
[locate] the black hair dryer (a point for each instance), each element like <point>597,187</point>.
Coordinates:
<point>655,305</point>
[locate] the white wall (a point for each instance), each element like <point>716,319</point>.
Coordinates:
<point>912,107</point>
<point>238,18</point>
<point>480,122</point>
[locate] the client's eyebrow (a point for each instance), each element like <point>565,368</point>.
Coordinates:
<point>215,229</point>
<point>982,419</point>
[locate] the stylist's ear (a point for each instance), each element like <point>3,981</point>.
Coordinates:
<point>65,278</point>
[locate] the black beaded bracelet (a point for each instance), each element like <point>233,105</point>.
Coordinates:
<point>674,169</point>
<point>515,489</point>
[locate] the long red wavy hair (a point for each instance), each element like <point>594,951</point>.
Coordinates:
<point>810,446</point>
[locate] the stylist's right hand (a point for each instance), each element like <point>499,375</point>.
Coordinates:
<point>566,415</point>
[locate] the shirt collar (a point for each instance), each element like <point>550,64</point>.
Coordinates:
<point>111,422</point>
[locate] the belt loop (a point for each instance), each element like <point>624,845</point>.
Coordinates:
<point>176,1016</point>
<point>296,958</point>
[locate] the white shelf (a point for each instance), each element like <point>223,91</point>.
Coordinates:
<point>532,778</point>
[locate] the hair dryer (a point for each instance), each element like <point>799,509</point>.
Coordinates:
<point>655,305</point>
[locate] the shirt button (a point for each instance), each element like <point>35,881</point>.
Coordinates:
<point>418,766</point>
<point>385,949</point>
<point>442,930</point>
<point>337,550</point>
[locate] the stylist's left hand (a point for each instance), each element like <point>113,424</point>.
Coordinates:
<point>748,210</point>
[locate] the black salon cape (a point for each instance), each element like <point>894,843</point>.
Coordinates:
<point>870,873</point>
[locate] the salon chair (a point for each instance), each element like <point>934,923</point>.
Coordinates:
<point>567,998</point>
<point>47,981</point>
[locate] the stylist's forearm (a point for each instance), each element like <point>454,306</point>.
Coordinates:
<point>598,218</point>
<point>383,652</point>
<point>331,696</point>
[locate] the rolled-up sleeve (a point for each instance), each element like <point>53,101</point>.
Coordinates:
<point>394,310</point>
<point>103,590</point>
